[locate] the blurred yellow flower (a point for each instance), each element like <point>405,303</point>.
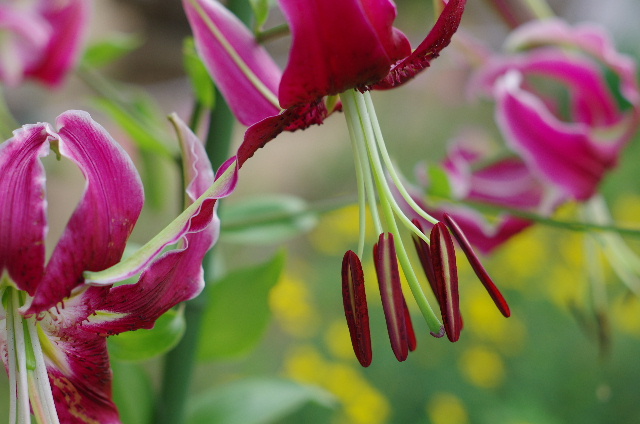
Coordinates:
<point>337,230</point>
<point>290,304</point>
<point>446,408</point>
<point>486,322</point>
<point>361,402</point>
<point>482,367</point>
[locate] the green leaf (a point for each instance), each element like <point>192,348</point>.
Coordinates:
<point>261,10</point>
<point>111,49</point>
<point>266,219</point>
<point>438,182</point>
<point>141,121</point>
<point>201,82</point>
<point>144,344</point>
<point>238,310</point>
<point>132,393</point>
<point>254,401</point>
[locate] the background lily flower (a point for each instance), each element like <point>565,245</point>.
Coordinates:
<point>41,40</point>
<point>337,45</point>
<point>571,146</point>
<point>67,316</point>
<point>473,177</point>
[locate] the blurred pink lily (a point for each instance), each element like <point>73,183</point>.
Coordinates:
<point>338,45</point>
<point>569,146</point>
<point>42,39</point>
<point>505,182</point>
<point>56,314</point>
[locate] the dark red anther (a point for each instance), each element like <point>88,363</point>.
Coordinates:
<point>477,266</point>
<point>446,275</point>
<point>355,307</point>
<point>412,342</point>
<point>386,263</point>
<point>424,253</point>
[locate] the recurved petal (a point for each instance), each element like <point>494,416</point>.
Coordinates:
<point>197,169</point>
<point>592,39</point>
<point>545,142</point>
<point>446,272</point>
<point>438,38</point>
<point>477,266</point>
<point>23,220</point>
<point>177,275</point>
<point>25,37</point>
<point>338,45</point>
<point>243,70</point>
<point>386,264</point>
<point>97,232</point>
<point>354,298</point>
<point>69,20</point>
<point>194,219</point>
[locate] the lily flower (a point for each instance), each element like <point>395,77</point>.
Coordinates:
<point>338,46</point>
<point>476,175</point>
<point>569,145</point>
<point>57,314</point>
<point>41,40</point>
<point>341,50</point>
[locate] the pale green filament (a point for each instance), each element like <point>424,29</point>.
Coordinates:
<point>390,168</point>
<point>366,146</point>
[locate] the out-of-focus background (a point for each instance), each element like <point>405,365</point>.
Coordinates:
<point>545,364</point>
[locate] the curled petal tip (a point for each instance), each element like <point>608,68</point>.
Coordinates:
<point>446,274</point>
<point>355,307</point>
<point>477,266</point>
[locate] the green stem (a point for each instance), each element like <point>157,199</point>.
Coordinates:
<point>181,361</point>
<point>272,33</point>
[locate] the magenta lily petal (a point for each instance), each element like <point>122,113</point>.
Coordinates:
<point>443,255</point>
<point>242,69</point>
<point>177,275</point>
<point>69,20</point>
<point>338,45</point>
<point>602,118</point>
<point>25,37</point>
<point>96,233</point>
<point>589,38</point>
<point>544,142</point>
<point>437,39</point>
<point>386,264</point>
<point>23,221</point>
<point>354,299</point>
<point>591,99</point>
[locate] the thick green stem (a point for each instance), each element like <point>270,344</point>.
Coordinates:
<point>181,361</point>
